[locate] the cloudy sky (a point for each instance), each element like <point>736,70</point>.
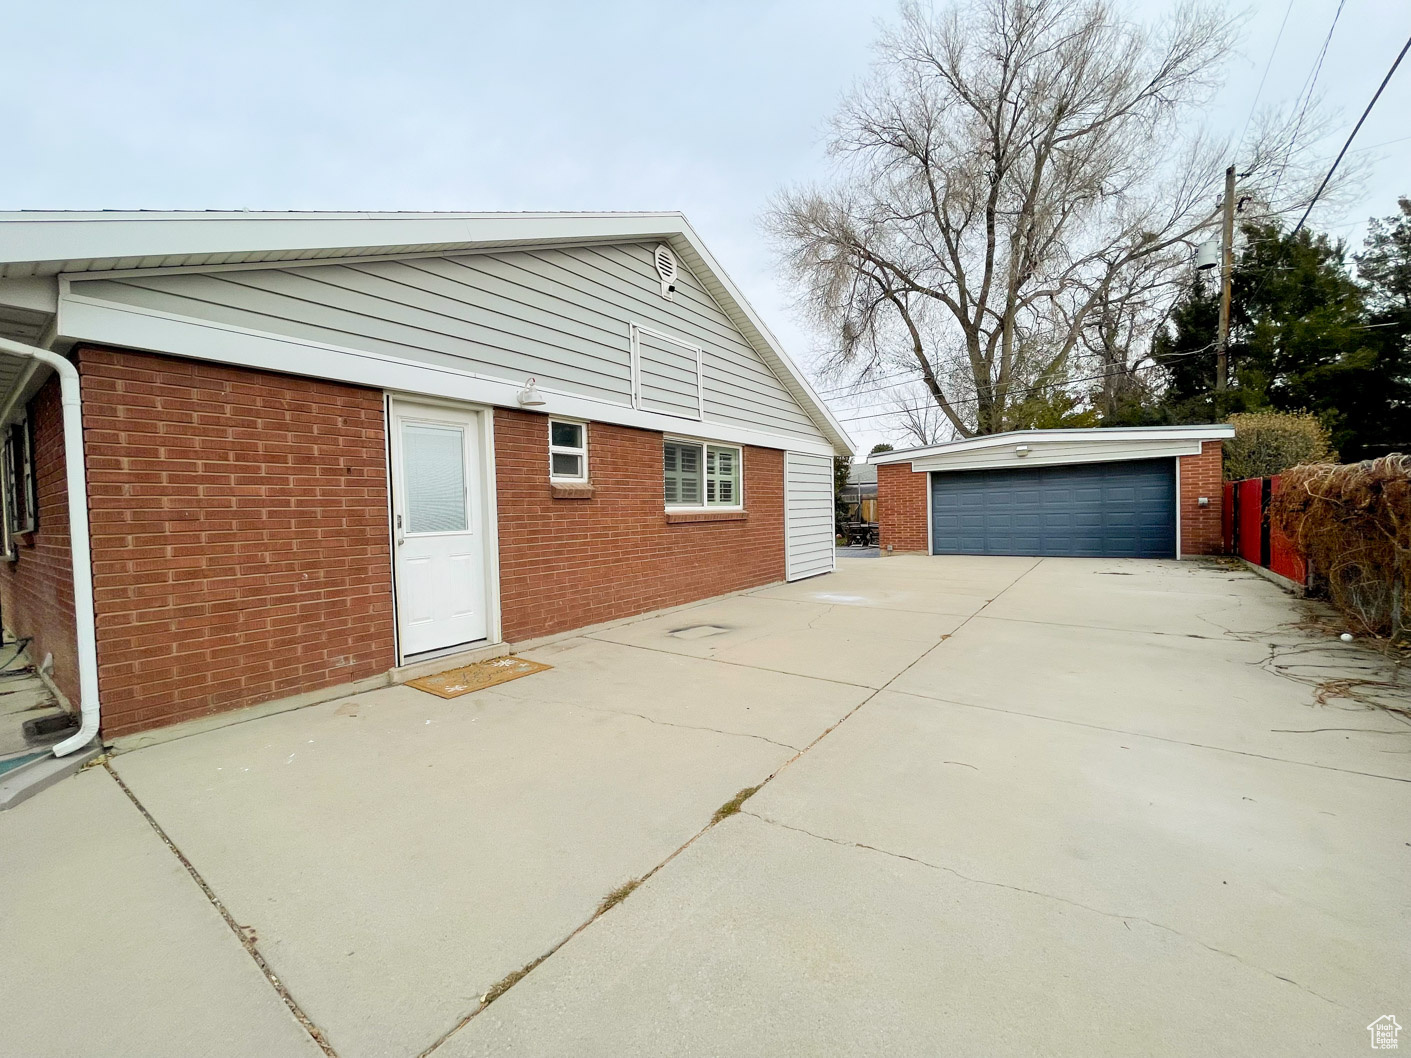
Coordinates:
<point>708,108</point>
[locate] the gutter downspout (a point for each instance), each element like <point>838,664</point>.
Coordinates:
<point>82,558</point>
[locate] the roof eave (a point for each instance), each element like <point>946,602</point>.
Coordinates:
<point>1207,432</point>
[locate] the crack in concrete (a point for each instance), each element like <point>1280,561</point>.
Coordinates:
<point>737,664</point>
<point>1144,734</point>
<point>1121,917</point>
<point>688,727</point>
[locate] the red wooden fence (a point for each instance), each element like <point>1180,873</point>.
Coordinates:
<point>1250,534</point>
<point>1284,559</point>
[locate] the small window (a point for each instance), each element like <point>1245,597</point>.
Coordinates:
<point>700,475</point>
<point>568,451</point>
<point>20,494</point>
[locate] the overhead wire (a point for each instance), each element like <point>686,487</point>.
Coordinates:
<point>1338,160</point>
<point>1260,90</point>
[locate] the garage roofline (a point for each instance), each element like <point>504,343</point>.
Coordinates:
<point>1095,440</point>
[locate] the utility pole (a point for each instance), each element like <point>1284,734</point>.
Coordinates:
<point>1227,267</point>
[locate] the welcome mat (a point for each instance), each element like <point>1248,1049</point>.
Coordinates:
<point>455,682</point>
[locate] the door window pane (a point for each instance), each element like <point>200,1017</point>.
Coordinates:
<point>433,461</point>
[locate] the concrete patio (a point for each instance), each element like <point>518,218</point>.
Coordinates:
<point>1009,806</point>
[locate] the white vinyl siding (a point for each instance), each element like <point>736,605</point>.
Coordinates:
<point>808,515</point>
<point>563,316</point>
<point>668,374</point>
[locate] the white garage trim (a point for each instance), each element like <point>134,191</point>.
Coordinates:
<point>809,530</point>
<point>1056,447</point>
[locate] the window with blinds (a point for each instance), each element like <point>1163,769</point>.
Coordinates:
<point>695,474</point>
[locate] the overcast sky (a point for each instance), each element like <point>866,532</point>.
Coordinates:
<point>707,108</point>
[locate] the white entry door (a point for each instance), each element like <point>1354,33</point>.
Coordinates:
<point>437,521</point>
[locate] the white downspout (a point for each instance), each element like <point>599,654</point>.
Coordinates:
<point>82,557</point>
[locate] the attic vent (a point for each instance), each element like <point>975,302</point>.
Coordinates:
<point>666,268</point>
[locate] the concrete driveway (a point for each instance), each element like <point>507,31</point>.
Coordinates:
<point>1009,806</point>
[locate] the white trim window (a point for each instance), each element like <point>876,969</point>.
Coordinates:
<point>695,474</point>
<point>568,450</point>
<point>21,497</point>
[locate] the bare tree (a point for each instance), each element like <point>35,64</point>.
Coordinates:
<point>1012,167</point>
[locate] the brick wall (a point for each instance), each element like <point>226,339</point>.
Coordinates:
<point>240,538</point>
<point>901,507</point>
<point>565,563</point>
<point>1202,475</point>
<point>36,590</point>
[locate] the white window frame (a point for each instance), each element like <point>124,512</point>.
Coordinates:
<point>17,474</point>
<point>635,332</point>
<point>566,450</point>
<point>704,505</point>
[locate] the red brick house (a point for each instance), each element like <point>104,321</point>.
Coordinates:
<point>248,456</point>
<point>1138,492</point>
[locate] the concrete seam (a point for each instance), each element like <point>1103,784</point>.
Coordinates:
<point>534,964</point>
<point>315,1033</point>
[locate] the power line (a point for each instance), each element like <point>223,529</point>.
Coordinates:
<point>1306,94</point>
<point>1377,95</point>
<point>1272,52</point>
<point>1102,376</point>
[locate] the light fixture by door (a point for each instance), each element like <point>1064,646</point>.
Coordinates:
<point>530,397</point>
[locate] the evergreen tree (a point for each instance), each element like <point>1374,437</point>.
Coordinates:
<point>1304,336</point>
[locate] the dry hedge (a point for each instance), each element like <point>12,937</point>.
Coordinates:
<point>1352,522</point>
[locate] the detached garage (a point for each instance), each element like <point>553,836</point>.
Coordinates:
<point>1141,492</point>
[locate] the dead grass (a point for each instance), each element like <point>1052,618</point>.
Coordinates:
<point>732,806</point>
<point>504,984</point>
<point>621,893</point>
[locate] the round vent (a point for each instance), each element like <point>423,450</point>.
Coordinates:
<point>666,268</point>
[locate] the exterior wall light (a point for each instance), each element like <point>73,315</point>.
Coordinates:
<point>1021,450</point>
<point>530,397</point>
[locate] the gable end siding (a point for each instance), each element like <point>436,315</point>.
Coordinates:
<point>562,316</point>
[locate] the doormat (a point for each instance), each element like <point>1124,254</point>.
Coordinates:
<point>456,682</point>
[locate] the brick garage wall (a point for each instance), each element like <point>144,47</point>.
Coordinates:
<point>566,563</point>
<point>36,589</point>
<point>1202,475</point>
<point>901,507</point>
<point>240,539</point>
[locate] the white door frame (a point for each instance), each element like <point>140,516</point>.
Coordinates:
<point>485,474</point>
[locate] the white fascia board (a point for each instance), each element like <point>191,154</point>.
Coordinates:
<point>83,319</point>
<point>1037,439</point>
<point>1074,452</point>
<point>46,237</point>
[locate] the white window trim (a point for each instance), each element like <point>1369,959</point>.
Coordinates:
<point>565,450</point>
<point>18,478</point>
<point>703,445</point>
<point>635,332</point>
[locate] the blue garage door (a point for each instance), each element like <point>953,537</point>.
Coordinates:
<point>1097,510</point>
